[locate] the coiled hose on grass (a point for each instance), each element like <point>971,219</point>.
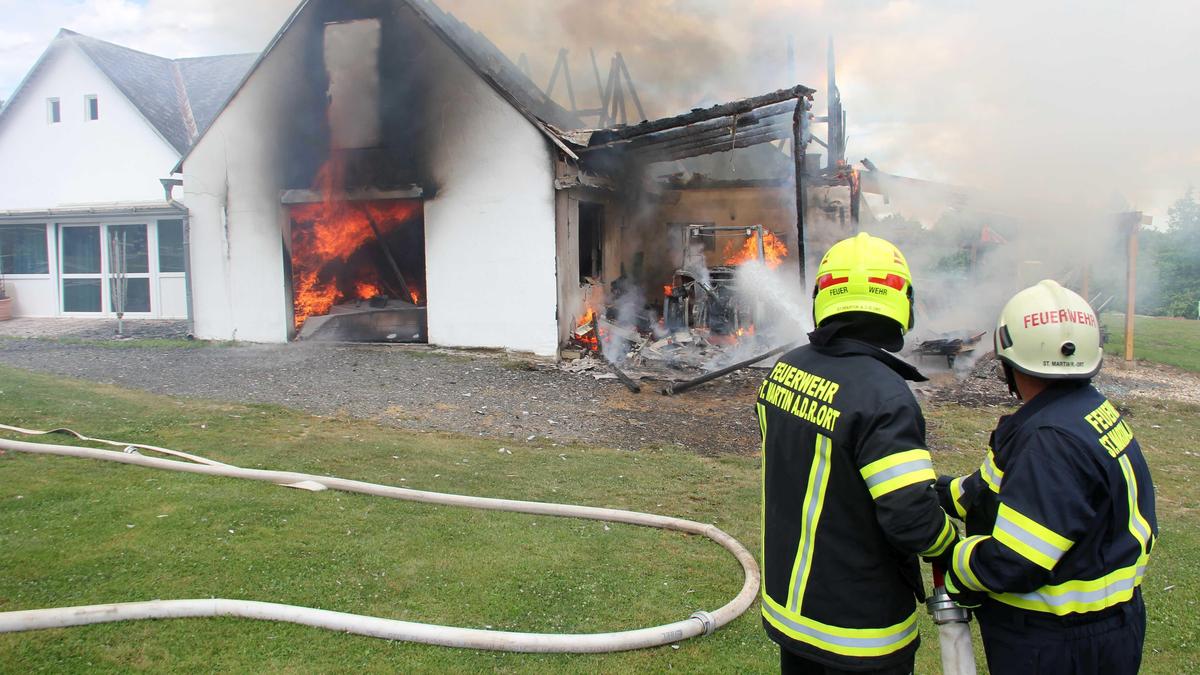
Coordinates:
<point>699,623</point>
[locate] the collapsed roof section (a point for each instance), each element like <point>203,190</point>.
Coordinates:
<point>777,116</point>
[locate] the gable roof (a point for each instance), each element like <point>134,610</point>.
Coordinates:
<point>479,53</point>
<point>179,98</point>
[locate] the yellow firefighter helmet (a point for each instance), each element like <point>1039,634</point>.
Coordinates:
<point>864,274</point>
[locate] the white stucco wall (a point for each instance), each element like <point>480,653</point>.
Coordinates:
<point>232,181</point>
<point>116,158</point>
<point>490,230</point>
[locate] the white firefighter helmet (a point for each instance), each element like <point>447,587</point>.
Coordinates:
<point>1051,332</point>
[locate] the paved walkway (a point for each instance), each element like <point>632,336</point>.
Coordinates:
<point>92,329</point>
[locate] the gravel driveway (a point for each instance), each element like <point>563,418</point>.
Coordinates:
<point>513,399</point>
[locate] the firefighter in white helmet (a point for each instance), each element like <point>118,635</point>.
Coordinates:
<point>848,503</point>
<point>1060,515</point>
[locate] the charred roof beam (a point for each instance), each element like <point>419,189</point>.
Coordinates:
<point>606,136</point>
<point>724,126</point>
<point>764,135</point>
<point>724,135</point>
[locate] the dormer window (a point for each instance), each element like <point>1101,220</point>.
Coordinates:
<point>91,108</point>
<point>53,111</point>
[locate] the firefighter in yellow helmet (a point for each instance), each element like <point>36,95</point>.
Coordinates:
<point>848,503</point>
<point>1060,515</point>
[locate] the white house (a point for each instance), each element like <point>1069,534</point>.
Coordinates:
<point>84,141</point>
<point>416,106</point>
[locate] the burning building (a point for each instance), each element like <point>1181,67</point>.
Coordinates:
<point>385,173</point>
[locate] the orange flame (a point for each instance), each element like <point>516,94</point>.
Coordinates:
<point>589,339</point>
<point>416,297</point>
<point>334,230</point>
<point>667,288</point>
<point>366,291</point>
<point>312,296</point>
<point>773,247</point>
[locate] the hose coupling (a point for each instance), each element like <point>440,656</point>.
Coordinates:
<point>706,620</point>
<point>944,610</point>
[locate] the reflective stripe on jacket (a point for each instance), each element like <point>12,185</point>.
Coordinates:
<point>847,505</point>
<point>1060,515</point>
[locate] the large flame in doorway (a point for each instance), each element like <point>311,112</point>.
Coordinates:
<point>773,247</point>
<point>326,238</point>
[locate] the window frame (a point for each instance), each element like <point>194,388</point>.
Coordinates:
<point>53,110</point>
<point>48,246</point>
<point>105,275</point>
<point>182,243</point>
<point>88,101</point>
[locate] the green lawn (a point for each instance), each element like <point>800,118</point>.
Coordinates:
<point>1166,340</point>
<point>76,532</point>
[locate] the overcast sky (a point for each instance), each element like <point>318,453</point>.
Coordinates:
<point>1065,102</point>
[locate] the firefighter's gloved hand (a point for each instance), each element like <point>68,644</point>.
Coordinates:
<point>946,557</point>
<point>942,488</point>
<point>962,598</point>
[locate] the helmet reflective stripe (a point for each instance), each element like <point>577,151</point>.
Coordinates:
<point>1049,331</point>
<point>893,280</point>
<point>864,274</point>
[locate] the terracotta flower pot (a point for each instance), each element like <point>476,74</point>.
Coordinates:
<point>5,309</point>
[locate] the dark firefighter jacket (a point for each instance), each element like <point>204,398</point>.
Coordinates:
<point>1060,516</point>
<point>847,505</point>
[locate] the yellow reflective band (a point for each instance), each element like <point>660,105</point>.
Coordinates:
<point>814,501</point>
<point>1090,595</point>
<point>896,471</point>
<point>1032,540</point>
<point>943,539</point>
<point>949,582</point>
<point>1138,525</point>
<point>956,495</point>
<point>961,562</point>
<point>992,475</point>
<point>762,513</point>
<point>862,642</point>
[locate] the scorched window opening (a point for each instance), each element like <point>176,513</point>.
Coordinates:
<point>591,241</point>
<point>357,255</point>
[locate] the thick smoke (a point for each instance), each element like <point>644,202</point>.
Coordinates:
<point>1047,101</point>
<point>1052,118</point>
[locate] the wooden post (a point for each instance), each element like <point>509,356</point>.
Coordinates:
<point>1131,283</point>
<point>855,198</point>
<point>387,253</point>
<point>558,64</point>
<point>637,102</point>
<point>798,160</point>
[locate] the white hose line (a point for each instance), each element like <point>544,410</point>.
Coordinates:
<point>119,444</point>
<point>699,623</point>
<point>958,654</point>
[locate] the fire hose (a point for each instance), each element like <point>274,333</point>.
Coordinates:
<point>699,623</point>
